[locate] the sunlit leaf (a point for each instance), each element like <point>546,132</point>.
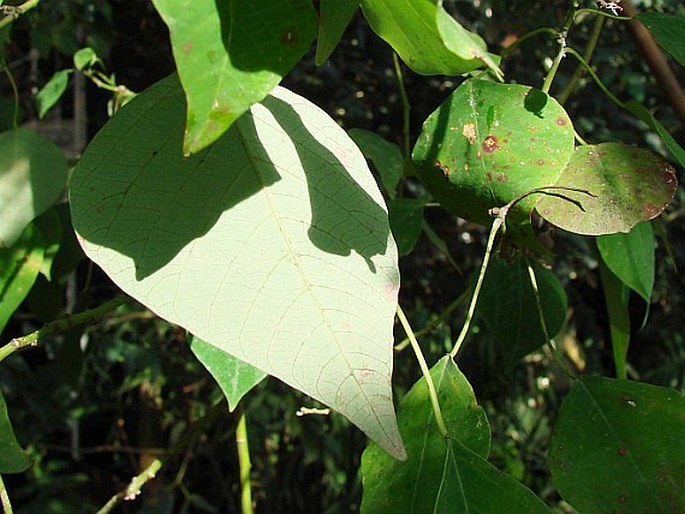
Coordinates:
<point>490,143</point>
<point>229,55</point>
<point>618,447</point>
<point>631,258</point>
<point>51,92</point>
<point>12,457</point>
<point>273,244</point>
<point>235,377</point>
<point>33,175</point>
<point>508,306</point>
<point>334,16</point>
<point>621,185</point>
<point>442,475</point>
<point>426,37</point>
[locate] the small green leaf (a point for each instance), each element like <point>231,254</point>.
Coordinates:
<point>670,143</point>
<point>487,145</point>
<point>235,377</point>
<point>426,37</point>
<point>33,175</point>
<point>631,258</point>
<point>668,31</point>
<point>51,92</point>
<point>49,225</point>
<point>85,58</point>
<point>385,156</point>
<point>441,475</point>
<point>616,296</point>
<point>272,244</point>
<point>334,17</point>
<point>19,267</point>
<point>229,55</point>
<point>621,185</point>
<point>508,306</point>
<point>12,457</point>
<point>618,447</point>
<point>406,221</point>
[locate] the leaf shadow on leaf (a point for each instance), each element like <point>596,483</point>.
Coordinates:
<point>344,216</point>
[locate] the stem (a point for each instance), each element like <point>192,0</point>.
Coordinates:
<point>134,487</point>
<point>432,393</point>
<point>562,49</point>
<point>526,37</point>
<point>595,77</point>
<point>497,223</point>
<point>4,498</point>
<point>406,108</point>
<point>60,325</point>
<point>17,11</point>
<point>244,463</point>
<point>15,92</point>
<point>587,55</point>
<point>603,14</point>
<point>429,328</point>
<point>543,323</point>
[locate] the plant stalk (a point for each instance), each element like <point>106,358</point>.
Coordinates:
<point>13,12</point>
<point>244,464</point>
<point>432,392</point>
<point>406,108</point>
<point>5,499</point>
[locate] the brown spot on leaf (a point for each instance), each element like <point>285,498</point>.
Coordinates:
<point>187,47</point>
<point>469,132</point>
<point>622,451</point>
<point>443,167</point>
<point>490,144</point>
<point>540,162</point>
<point>561,121</point>
<point>501,177</point>
<point>650,210</point>
<point>290,37</point>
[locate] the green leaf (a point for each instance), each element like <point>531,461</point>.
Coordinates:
<point>631,258</point>
<point>51,92</point>
<point>385,156</point>
<point>426,37</point>
<point>618,447</point>
<point>85,58</point>
<point>670,143</point>
<point>490,143</point>
<point>273,244</point>
<point>49,224</point>
<point>229,55</point>
<point>441,475</point>
<point>508,306</point>
<point>668,31</point>
<point>19,267</point>
<point>12,457</point>
<point>622,186</point>
<point>616,297</point>
<point>334,17</point>
<point>33,174</point>
<point>406,222</point>
<point>235,377</point>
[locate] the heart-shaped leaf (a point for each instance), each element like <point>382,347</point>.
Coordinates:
<point>442,475</point>
<point>622,186</point>
<point>235,377</point>
<point>272,244</point>
<point>490,143</point>
<point>229,55</point>
<point>668,31</point>
<point>33,175</point>
<point>426,37</point>
<point>508,306</point>
<point>618,447</point>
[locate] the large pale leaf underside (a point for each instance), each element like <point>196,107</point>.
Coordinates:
<point>273,243</point>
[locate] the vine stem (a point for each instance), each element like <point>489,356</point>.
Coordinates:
<point>244,464</point>
<point>15,92</point>
<point>432,393</point>
<point>543,323</point>
<point>60,325</point>
<point>4,498</point>
<point>134,487</point>
<point>13,12</point>
<point>570,17</point>
<point>406,107</point>
<point>497,223</point>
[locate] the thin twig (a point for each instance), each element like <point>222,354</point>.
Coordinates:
<point>243,446</point>
<point>4,498</point>
<point>14,11</point>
